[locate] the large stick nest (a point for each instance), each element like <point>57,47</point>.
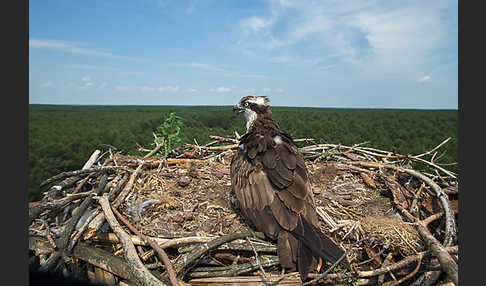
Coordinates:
<point>398,225</point>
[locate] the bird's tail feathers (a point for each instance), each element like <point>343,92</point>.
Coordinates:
<point>314,244</point>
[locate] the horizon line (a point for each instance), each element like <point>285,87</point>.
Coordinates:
<point>207,105</point>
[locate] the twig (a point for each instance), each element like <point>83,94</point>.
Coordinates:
<point>157,147</point>
<point>224,139</point>
<point>257,259</point>
<point>78,233</point>
<point>408,276</point>
<point>64,240</point>
<point>92,159</point>
<point>48,235</point>
<point>447,263</point>
<point>413,206</point>
<point>128,187</point>
<point>319,277</point>
<point>434,149</point>
<point>137,268</point>
<point>388,260</point>
<point>35,211</point>
<point>68,174</point>
<point>187,259</point>
<point>160,252</point>
<point>236,269</point>
<point>450,227</point>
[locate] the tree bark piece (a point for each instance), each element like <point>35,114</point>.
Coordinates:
<point>68,174</point>
<point>246,281</point>
<point>160,252</point>
<point>447,263</point>
<point>235,270</point>
<point>36,210</point>
<point>187,259</point>
<point>98,221</point>
<point>137,269</point>
<point>102,259</point>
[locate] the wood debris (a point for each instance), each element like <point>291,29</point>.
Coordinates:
<point>144,220</point>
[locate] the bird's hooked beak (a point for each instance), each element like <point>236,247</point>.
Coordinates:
<point>238,108</point>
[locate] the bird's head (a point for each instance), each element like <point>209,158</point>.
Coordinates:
<point>253,107</point>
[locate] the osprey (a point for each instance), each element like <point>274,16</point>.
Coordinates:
<point>271,183</point>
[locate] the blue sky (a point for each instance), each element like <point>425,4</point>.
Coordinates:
<point>349,54</point>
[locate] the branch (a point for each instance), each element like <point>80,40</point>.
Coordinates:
<point>98,221</point>
<point>450,227</point>
<point>236,269</point>
<point>137,269</point>
<point>447,263</point>
<point>68,174</point>
<point>187,259</point>
<point>160,252</point>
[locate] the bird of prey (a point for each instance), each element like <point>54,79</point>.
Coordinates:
<point>271,183</point>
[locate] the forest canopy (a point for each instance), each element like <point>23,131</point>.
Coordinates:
<point>61,137</point>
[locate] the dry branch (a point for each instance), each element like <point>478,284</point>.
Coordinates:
<point>187,259</point>
<point>447,263</point>
<point>160,252</point>
<point>137,269</point>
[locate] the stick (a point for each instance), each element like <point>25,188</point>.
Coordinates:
<point>408,276</point>
<point>98,221</point>
<point>81,172</point>
<point>224,139</point>
<point>435,148</point>
<point>156,149</point>
<point>187,259</point>
<point>137,269</point>
<point>35,211</point>
<point>64,240</point>
<point>319,277</point>
<point>160,252</point>
<point>364,151</point>
<point>382,270</point>
<point>92,159</point>
<point>257,259</point>
<point>447,263</point>
<point>450,227</point>
<point>236,269</point>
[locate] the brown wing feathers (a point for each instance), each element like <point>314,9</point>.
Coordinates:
<point>271,183</point>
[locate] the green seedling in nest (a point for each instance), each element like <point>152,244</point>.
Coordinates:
<point>167,134</point>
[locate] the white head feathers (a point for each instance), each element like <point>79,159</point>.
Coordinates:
<point>250,116</point>
<point>260,100</point>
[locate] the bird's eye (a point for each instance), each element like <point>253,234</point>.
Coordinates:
<point>245,104</point>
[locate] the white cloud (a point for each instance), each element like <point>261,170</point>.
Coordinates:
<point>226,71</point>
<point>221,89</point>
<point>144,89</point>
<point>370,35</point>
<point>192,90</point>
<point>168,89</point>
<point>71,47</point>
<point>253,75</point>
<point>123,88</point>
<point>203,66</point>
<point>255,25</point>
<point>86,78</point>
<point>47,84</point>
<point>425,78</point>
<point>103,68</point>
